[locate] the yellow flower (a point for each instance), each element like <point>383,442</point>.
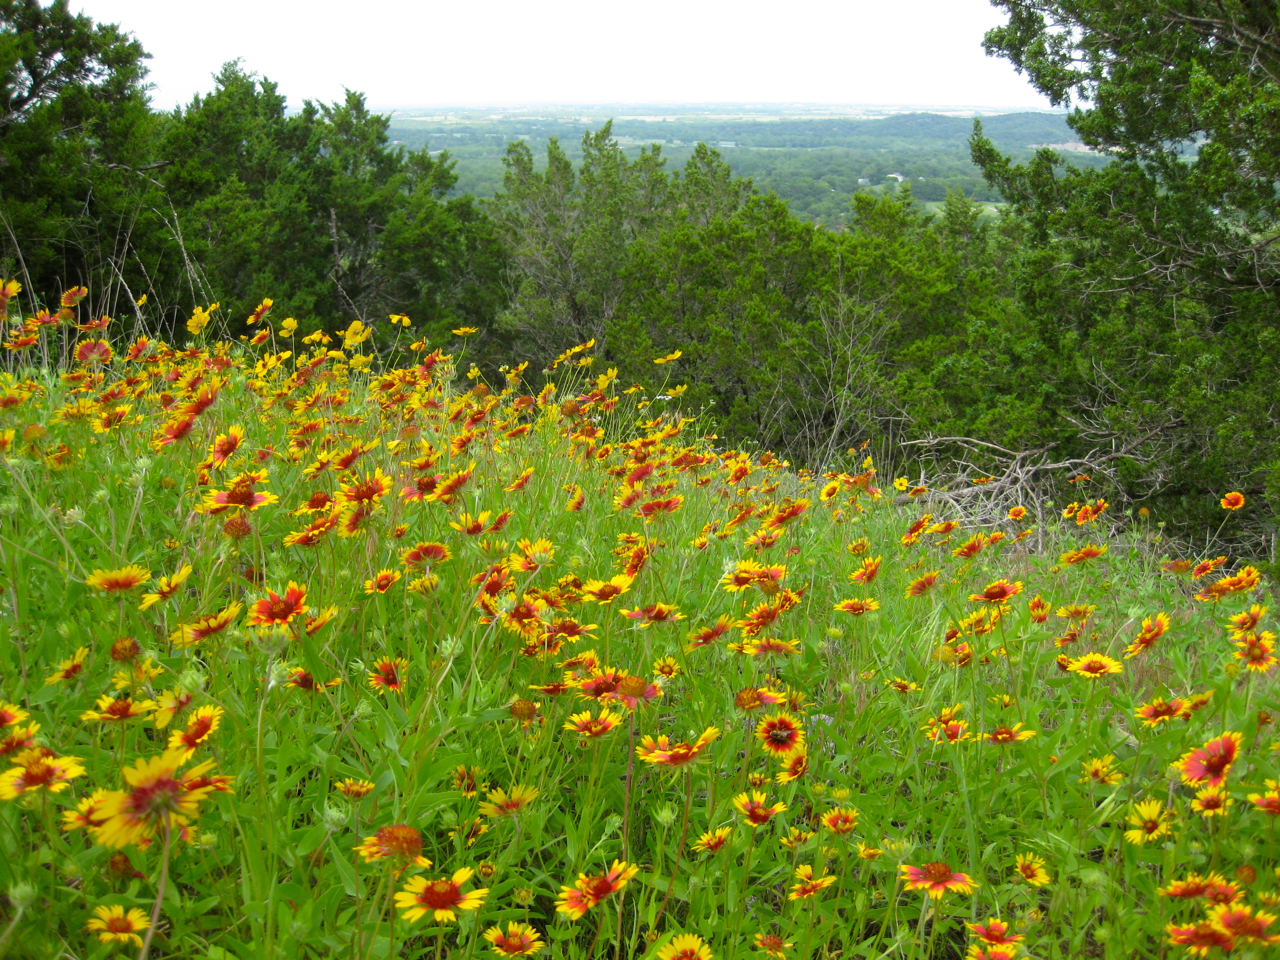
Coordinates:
<point>113,923</point>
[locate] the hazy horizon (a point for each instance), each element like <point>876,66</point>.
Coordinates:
<point>405,55</point>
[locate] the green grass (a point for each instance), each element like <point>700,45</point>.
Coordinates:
<point>268,867</point>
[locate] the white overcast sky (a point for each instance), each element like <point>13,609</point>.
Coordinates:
<point>407,53</point>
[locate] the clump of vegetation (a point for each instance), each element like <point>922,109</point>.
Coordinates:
<point>305,658</point>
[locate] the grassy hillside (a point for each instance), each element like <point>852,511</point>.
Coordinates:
<point>310,660</point>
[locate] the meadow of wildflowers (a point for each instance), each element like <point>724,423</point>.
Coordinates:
<point>308,656</point>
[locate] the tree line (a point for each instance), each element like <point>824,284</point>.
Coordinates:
<point>1119,320</point>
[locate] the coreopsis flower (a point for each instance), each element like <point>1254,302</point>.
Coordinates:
<point>1153,629</point>
<point>995,933</point>
<point>936,879</point>
<point>713,841</point>
<point>1004,735</point>
<point>1039,609</point>
<point>426,554</point>
<point>384,581</point>
<point>354,789</point>
<point>1211,801</point>
<point>500,803</point>
<point>1150,821</point>
<point>781,735</point>
<point>156,797</point>
<point>200,728</point>
<point>998,591</point>
<point>662,752</point>
<point>1232,501</point>
<point>605,591</point>
<point>1030,868</point>
<point>115,924</point>
<point>166,587</point>
<point>772,945</point>
<point>300,679</point>
<point>796,838</point>
<point>922,584</point>
<point>117,710</point>
<point>632,691</point>
<point>1160,711</point>
<point>588,727</point>
<point>755,809</point>
<point>841,820</point>
<point>469,780</point>
<point>388,675</point>
<point>794,767</point>
<point>1242,624</point>
<point>589,890</point>
<point>399,843</point>
<point>441,898</point>
<point>1257,651</point>
<point>519,940</point>
<point>1101,771</point>
<point>70,668</point>
<point>363,491</point>
<point>1268,802</point>
<point>87,814</point>
<point>15,738</point>
<point>857,607</point>
<point>1200,938</point>
<point>685,946</point>
<point>1242,923</point>
<point>1092,666</point>
<point>654,613</point>
<point>1192,887</point>
<point>869,853</point>
<point>278,611</point>
<point>668,667</point>
<point>11,714</point>
<point>1082,555</point>
<point>1209,764</point>
<point>38,768</point>
<point>951,732</point>
<point>114,581</point>
<point>808,885</point>
<point>902,686</point>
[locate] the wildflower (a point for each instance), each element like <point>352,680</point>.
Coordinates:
<point>166,587</point>
<point>857,607</point>
<point>1094,665</point>
<point>1209,764</point>
<point>1242,923</point>
<point>37,768</point>
<point>754,808</point>
<point>113,581</point>
<point>841,820</point>
<point>994,932</point>
<point>199,729</point>
<point>662,752</point>
<point>1082,555</point>
<point>1193,887</point>
<point>936,879</point>
<point>1232,501</point>
<point>441,898</point>
<point>685,946</point>
<point>773,945</point>
<point>519,940</point>
<point>922,584</point>
<point>808,885</point>
<point>499,803</point>
<point>1257,651</point>
<point>781,735</point>
<point>400,843</point>
<point>468,779</point>
<point>1211,802</point>
<point>589,890</point>
<point>278,611</point>
<point>654,613</point>
<point>112,710</point>
<point>388,675</point>
<point>998,591</point>
<point>604,591</point>
<point>902,686</point>
<point>588,727</point>
<point>1039,609</point>
<point>1159,711</point>
<point>794,767</point>
<point>1150,821</point>
<point>354,789</point>
<point>70,668</point>
<point>1153,629</point>
<point>1200,938</point>
<point>867,573</point>
<point>667,667</point>
<point>1245,623</point>
<point>156,798</point>
<point>114,923</point>
<point>713,841</point>
<point>711,634</point>
<point>952,732</point>
<point>1030,868</point>
<point>869,853</point>
<point>384,581</point>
